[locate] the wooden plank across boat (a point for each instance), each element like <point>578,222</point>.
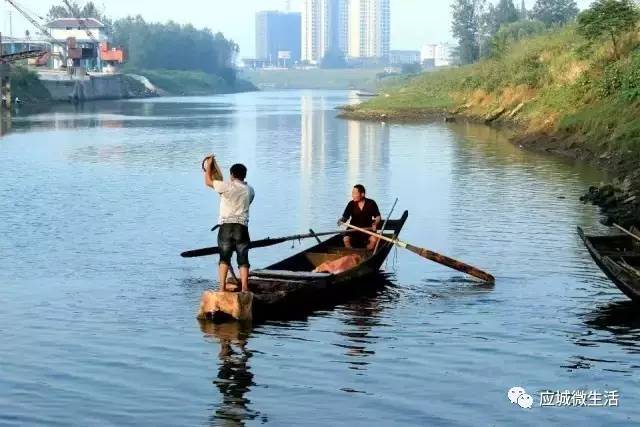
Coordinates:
<point>290,286</point>
<point>619,258</point>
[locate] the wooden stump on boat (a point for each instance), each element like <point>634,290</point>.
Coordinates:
<point>238,305</point>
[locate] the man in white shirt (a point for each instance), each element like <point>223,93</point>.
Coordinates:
<point>235,197</point>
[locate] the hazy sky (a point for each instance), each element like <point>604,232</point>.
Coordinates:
<point>413,22</point>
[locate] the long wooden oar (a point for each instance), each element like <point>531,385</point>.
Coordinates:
<point>384,224</point>
<point>433,256</point>
<point>258,243</point>
<point>624,230</point>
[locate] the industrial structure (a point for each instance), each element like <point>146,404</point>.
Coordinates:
<point>74,44</point>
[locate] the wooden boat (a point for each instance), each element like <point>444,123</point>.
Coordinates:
<point>290,286</point>
<point>619,258</point>
<point>366,94</point>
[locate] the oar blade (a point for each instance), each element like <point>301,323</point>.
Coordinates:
<point>200,252</point>
<point>451,263</point>
<point>216,250</point>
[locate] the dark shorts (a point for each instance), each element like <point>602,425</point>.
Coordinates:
<point>359,240</point>
<point>234,237</point>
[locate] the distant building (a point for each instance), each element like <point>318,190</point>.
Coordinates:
<point>254,64</point>
<point>360,29</point>
<point>369,28</point>
<point>436,55</point>
<point>404,57</point>
<point>88,34</point>
<point>324,28</point>
<point>278,37</point>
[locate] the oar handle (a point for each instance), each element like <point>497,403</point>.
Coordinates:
<point>433,256</point>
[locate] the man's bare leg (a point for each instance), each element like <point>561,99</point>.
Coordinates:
<point>223,269</point>
<point>372,243</point>
<point>244,278</point>
<point>347,241</point>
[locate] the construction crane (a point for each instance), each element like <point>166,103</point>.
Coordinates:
<point>45,32</point>
<point>109,56</point>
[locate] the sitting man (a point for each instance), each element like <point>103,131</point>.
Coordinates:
<point>364,213</point>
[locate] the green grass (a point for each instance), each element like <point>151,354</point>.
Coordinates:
<point>26,85</point>
<point>567,84</point>
<point>187,83</point>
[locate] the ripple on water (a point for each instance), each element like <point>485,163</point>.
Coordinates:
<point>98,307</point>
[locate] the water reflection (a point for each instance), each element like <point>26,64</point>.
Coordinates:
<point>351,151</point>
<point>616,323</point>
<point>5,122</point>
<point>234,379</point>
<point>361,316</point>
<point>119,114</point>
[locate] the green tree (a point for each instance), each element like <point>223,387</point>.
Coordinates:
<point>411,68</point>
<point>88,10</point>
<point>493,19</point>
<point>610,18</point>
<point>175,47</point>
<point>522,12</point>
<point>513,32</point>
<point>466,26</point>
<point>505,13</point>
<point>554,12</point>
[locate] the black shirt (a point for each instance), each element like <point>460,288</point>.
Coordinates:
<point>361,218</point>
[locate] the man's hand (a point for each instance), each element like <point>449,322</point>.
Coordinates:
<point>210,170</point>
<point>340,221</point>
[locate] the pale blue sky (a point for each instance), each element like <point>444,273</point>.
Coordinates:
<point>413,22</point>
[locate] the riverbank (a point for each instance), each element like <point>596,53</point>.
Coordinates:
<point>48,86</point>
<point>319,78</point>
<point>559,93</point>
<point>192,83</point>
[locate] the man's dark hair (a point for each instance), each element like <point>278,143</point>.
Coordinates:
<point>239,171</point>
<point>360,188</point>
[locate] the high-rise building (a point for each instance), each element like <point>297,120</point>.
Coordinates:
<point>324,28</point>
<point>356,28</point>
<point>278,37</point>
<point>369,28</point>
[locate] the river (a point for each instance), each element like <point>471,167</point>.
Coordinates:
<point>98,309</point>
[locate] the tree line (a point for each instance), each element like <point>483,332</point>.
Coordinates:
<point>484,29</point>
<point>170,46</point>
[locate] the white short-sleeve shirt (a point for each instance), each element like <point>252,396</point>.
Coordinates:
<point>235,198</point>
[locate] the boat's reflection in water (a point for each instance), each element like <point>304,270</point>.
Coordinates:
<point>613,325</point>
<point>234,378</point>
<point>361,315</point>
<point>361,305</point>
<point>617,323</point>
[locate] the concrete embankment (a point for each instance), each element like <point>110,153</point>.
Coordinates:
<point>63,87</point>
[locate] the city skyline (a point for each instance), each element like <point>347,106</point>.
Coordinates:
<point>358,29</point>
<point>413,24</point>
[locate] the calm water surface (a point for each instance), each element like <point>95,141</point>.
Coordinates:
<point>98,310</point>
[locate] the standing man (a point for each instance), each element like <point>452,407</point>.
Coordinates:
<point>235,197</point>
<point>364,213</point>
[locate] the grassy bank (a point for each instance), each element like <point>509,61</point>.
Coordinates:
<point>563,94</point>
<point>363,79</point>
<point>26,85</point>
<point>187,83</point>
